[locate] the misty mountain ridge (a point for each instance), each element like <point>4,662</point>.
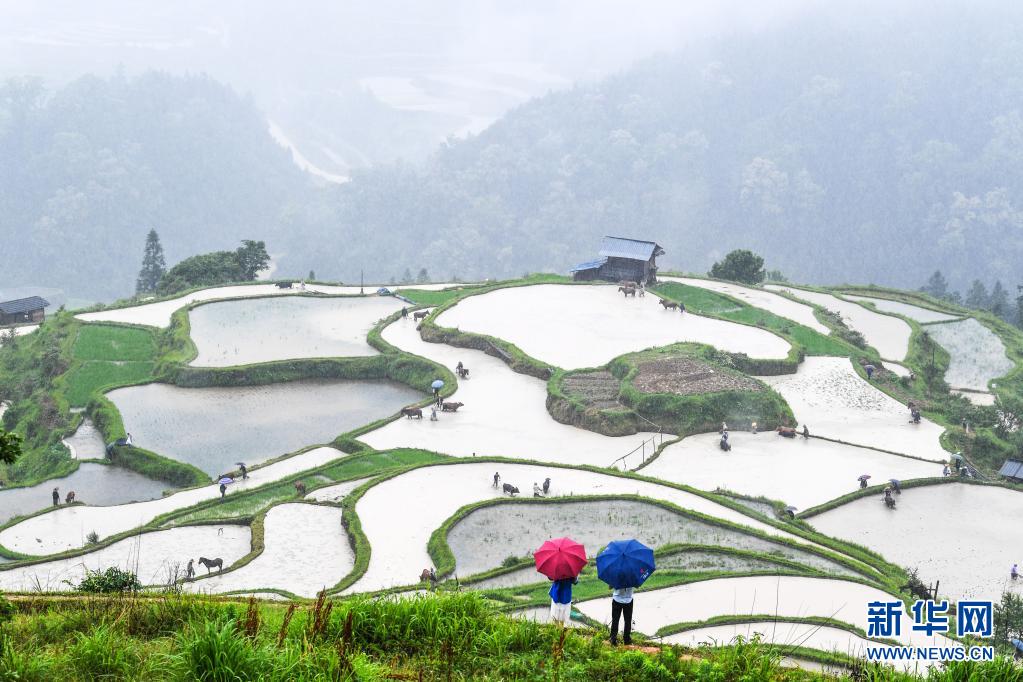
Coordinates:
<point>872,154</point>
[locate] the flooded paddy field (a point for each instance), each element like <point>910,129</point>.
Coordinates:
<point>306,549</point>
<point>284,327</point>
<point>487,536</point>
<point>791,596</point>
<point>930,529</point>
<point>889,335</point>
<point>86,442</point>
<point>797,471</point>
<point>213,428</point>
<point>799,313</point>
<point>835,402</point>
<point>154,557</point>
<point>93,484</point>
<point>399,533</point>
<point>976,354</point>
<point>913,312</point>
<point>66,527</point>
<point>586,326</point>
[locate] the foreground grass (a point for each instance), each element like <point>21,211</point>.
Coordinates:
<point>437,637</point>
<point>705,302</point>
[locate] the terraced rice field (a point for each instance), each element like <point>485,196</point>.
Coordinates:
<point>266,329</point>
<point>799,313</point>
<point>213,428</point>
<point>976,354</point>
<point>913,312</point>
<point>889,335</point>
<point>930,530</point>
<point>584,326</point>
<point>803,473</point>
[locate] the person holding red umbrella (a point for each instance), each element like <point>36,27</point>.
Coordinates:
<point>560,560</point>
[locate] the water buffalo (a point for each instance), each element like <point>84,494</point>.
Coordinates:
<point>510,489</point>
<point>669,305</point>
<point>419,315</point>
<point>628,291</point>
<point>411,412</point>
<point>450,407</point>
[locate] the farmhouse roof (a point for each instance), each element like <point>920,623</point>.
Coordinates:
<point>634,249</point>
<point>589,265</point>
<point>1011,469</point>
<point>23,305</point>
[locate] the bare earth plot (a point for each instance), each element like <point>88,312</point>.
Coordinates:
<point>266,329</point>
<point>889,335</point>
<point>791,596</point>
<point>800,472</point>
<point>306,550</point>
<point>758,298</point>
<point>966,536</point>
<point>976,354</point>
<point>152,556</point>
<point>827,395</point>
<point>65,528</point>
<point>399,515</point>
<point>913,312</point>
<point>586,326</point>
<point>505,414</point>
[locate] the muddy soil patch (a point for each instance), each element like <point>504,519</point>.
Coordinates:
<point>598,389</point>
<point>688,376</point>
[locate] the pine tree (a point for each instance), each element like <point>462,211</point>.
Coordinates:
<point>977,297</point>
<point>423,277</point>
<point>312,275</point>
<point>936,286</point>
<point>153,265</point>
<point>406,277</point>
<point>998,302</point>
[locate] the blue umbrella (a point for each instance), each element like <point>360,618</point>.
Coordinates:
<point>437,383</point>
<point>625,563</point>
<point>1018,644</point>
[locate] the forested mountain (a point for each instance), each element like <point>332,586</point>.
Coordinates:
<point>852,149</point>
<point>842,153</point>
<point>88,170</point>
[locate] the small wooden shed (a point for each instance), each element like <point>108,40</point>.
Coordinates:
<point>23,310</point>
<point>620,259</point>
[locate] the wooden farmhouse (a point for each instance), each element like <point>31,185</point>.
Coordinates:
<point>620,259</point>
<point>22,310</point>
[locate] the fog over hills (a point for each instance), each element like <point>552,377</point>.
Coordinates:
<point>844,146</point>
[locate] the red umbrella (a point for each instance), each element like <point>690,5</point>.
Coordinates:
<point>560,558</point>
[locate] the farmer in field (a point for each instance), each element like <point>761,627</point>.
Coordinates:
<point>806,431</point>
<point>1014,572</point>
<point>56,497</point>
<point>869,369</point>
<point>223,490</point>
<point>404,311</point>
<point>497,479</point>
<point>190,570</point>
<point>537,492</point>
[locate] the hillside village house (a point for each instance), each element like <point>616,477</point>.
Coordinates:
<point>23,310</point>
<point>620,259</point>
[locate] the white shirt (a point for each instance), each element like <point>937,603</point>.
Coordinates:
<point>622,595</point>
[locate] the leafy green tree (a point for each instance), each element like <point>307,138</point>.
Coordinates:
<point>998,302</point>
<point>1008,621</point>
<point>153,265</point>
<point>206,269</point>
<point>406,277</point>
<point>10,446</point>
<point>776,276</point>
<point>977,297</point>
<point>252,259</point>
<point>936,286</point>
<point>740,265</point>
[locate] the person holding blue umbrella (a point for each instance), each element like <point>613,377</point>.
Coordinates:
<point>436,386</point>
<point>624,565</point>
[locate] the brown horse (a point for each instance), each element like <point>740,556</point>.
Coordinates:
<point>450,407</point>
<point>669,305</point>
<point>210,563</point>
<point>411,412</point>
<point>420,315</point>
<point>628,291</point>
